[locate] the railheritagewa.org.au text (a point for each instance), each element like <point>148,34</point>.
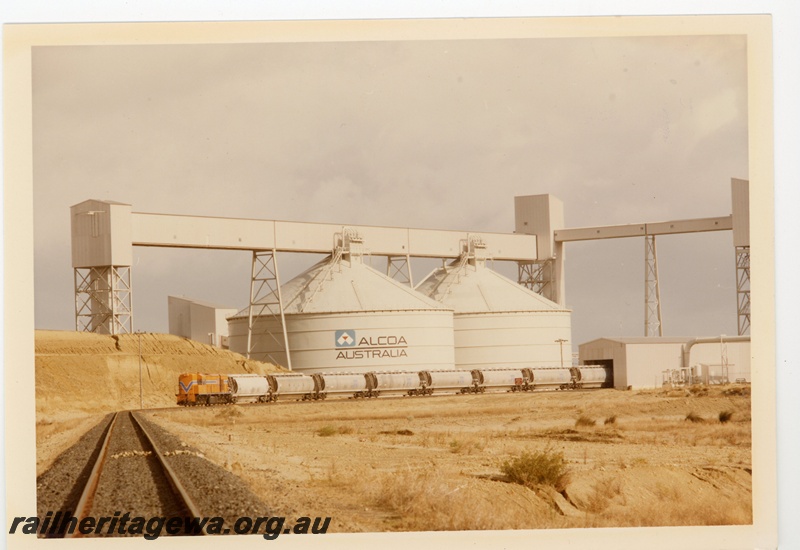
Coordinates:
<point>61,524</point>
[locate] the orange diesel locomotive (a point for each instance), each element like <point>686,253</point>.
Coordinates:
<point>203,389</point>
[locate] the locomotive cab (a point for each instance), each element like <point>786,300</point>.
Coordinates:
<point>202,389</point>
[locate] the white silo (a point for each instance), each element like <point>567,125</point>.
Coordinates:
<point>342,315</point>
<point>497,322</point>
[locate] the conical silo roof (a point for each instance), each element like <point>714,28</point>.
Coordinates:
<point>342,315</point>
<point>471,287</point>
<point>339,285</point>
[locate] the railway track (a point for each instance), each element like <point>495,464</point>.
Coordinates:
<point>131,473</point>
<point>345,399</point>
<point>126,466</point>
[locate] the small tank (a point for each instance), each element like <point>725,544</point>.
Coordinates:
<point>595,376</point>
<point>340,383</point>
<point>506,379</point>
<point>248,387</point>
<point>551,377</point>
<point>460,381</point>
<point>291,385</point>
<point>392,382</point>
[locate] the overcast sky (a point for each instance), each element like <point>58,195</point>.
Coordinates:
<point>430,134</point>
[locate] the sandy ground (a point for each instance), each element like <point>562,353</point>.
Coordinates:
<point>432,463</point>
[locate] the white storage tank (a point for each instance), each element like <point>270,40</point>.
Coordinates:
<point>340,382</point>
<point>291,385</point>
<point>595,377</point>
<point>505,378</point>
<point>551,378</point>
<point>498,323</point>
<point>394,382</point>
<point>459,381</point>
<point>342,315</point>
<point>245,386</point>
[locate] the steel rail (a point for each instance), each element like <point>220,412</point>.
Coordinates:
<point>178,488</point>
<point>87,495</point>
<point>84,503</point>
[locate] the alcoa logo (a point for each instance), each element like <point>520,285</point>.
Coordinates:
<point>345,338</point>
<point>369,347</point>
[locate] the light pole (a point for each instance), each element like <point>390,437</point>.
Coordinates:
<point>141,393</point>
<point>561,348</point>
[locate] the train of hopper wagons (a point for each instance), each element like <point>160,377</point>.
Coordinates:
<point>214,389</point>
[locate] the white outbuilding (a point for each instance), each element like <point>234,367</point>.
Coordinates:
<point>198,320</point>
<point>648,362</point>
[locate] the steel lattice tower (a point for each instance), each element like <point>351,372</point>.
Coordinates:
<point>652,295</point>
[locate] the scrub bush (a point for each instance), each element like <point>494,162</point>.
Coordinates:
<point>545,467</point>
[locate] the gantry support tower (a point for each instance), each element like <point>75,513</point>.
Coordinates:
<point>101,260</point>
<point>543,216</point>
<point>653,325</point>
<point>266,301</point>
<point>741,240</point>
<point>104,232</point>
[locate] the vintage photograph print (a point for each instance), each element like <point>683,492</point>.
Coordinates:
<point>469,278</point>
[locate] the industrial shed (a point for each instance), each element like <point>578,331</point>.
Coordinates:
<point>640,363</point>
<point>199,321</point>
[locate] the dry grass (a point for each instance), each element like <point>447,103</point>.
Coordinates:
<point>696,418</point>
<point>727,435</point>
<point>397,432</point>
<point>435,438</point>
<point>736,432</point>
<point>572,435</point>
<point>674,506</point>
<point>584,421</point>
<point>467,445</point>
<point>737,390</point>
<point>699,390</point>
<point>228,413</point>
<point>545,467</point>
<point>431,500</point>
<point>668,492</point>
<point>603,492</point>
<point>725,416</point>
<point>327,431</point>
<point>428,500</point>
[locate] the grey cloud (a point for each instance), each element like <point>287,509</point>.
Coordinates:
<point>437,134</point>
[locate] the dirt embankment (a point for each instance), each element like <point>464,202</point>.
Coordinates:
<point>436,463</point>
<point>82,376</point>
<point>93,373</point>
